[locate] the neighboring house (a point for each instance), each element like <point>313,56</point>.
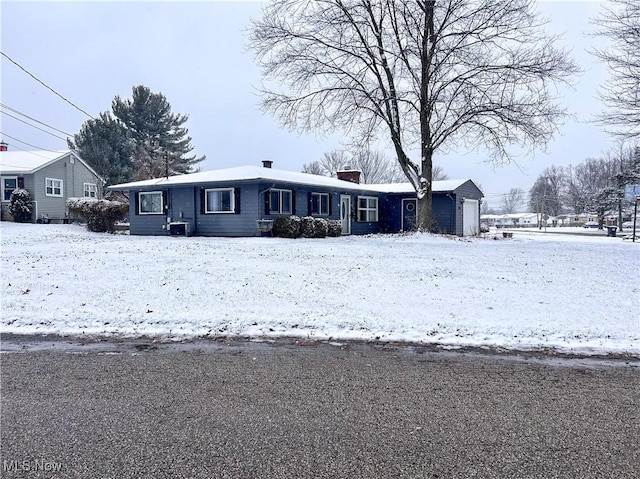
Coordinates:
<point>230,202</point>
<point>50,178</point>
<point>511,220</point>
<point>577,219</point>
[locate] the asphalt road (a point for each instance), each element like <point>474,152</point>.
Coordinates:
<point>246,410</point>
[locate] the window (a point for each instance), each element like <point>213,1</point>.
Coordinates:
<point>319,204</point>
<point>367,208</point>
<point>151,203</point>
<point>8,185</point>
<point>53,187</point>
<point>280,202</point>
<point>90,190</point>
<point>219,200</point>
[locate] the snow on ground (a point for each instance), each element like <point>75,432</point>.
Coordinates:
<point>570,293</point>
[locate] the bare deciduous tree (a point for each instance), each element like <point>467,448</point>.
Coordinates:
<point>546,193</point>
<point>313,168</point>
<point>619,22</point>
<point>433,74</point>
<point>512,201</point>
<point>375,166</point>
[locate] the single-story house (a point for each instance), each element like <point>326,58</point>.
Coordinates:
<point>577,219</point>
<point>51,177</point>
<point>230,202</point>
<point>511,220</point>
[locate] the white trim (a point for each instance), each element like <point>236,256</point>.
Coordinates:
<point>140,193</point>
<point>8,178</point>
<point>280,210</point>
<point>367,209</point>
<point>320,212</point>
<point>84,190</point>
<point>232,194</point>
<point>53,188</point>
<point>345,220</point>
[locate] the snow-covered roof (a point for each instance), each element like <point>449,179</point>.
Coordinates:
<point>438,186</point>
<point>243,173</point>
<point>28,162</point>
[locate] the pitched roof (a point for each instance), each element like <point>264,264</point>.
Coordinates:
<point>442,186</point>
<point>28,162</point>
<point>243,173</point>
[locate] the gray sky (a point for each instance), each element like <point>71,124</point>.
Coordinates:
<point>195,54</point>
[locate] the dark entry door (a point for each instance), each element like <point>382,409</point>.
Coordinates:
<point>409,207</point>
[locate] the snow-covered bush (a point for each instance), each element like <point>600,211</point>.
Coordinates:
<point>334,228</point>
<point>20,206</point>
<point>314,227</point>
<point>101,215</point>
<point>287,227</point>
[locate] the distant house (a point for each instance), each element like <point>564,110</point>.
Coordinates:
<point>50,178</point>
<point>511,220</point>
<point>230,202</point>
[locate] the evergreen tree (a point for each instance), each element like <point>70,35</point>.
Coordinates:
<point>104,144</point>
<point>161,142</point>
<point>20,206</point>
<point>142,140</point>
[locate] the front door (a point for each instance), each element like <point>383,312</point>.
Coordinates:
<point>409,207</point>
<point>345,214</point>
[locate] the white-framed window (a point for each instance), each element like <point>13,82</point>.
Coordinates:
<point>150,203</point>
<point>280,202</point>
<point>319,204</point>
<point>9,183</point>
<point>367,209</point>
<point>53,187</point>
<point>90,190</point>
<point>219,200</point>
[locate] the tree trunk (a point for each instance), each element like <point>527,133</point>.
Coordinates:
<point>425,199</point>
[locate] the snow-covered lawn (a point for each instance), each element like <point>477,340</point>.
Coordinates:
<point>570,293</point>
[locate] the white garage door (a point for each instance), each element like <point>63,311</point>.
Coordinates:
<point>470,217</point>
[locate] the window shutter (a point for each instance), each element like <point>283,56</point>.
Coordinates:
<point>293,202</point>
<point>202,193</point>
<point>309,204</point>
<point>267,195</point>
<point>136,202</point>
<point>21,182</point>
<point>329,206</point>
<point>236,193</point>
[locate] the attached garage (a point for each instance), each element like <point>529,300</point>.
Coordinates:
<point>470,217</point>
<point>456,207</point>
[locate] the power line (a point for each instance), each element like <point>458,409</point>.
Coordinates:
<point>44,84</point>
<point>33,126</point>
<point>7,107</point>
<point>25,143</point>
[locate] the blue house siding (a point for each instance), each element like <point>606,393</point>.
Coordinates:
<point>240,223</point>
<point>446,210</point>
<point>185,202</point>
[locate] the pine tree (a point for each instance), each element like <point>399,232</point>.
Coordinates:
<point>20,206</point>
<point>142,140</point>
<point>104,144</point>
<point>161,142</point>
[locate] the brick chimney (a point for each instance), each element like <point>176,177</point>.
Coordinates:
<point>347,174</point>
<point>267,163</point>
<point>4,146</point>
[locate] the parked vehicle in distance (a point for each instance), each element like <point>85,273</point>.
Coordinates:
<point>627,225</point>
<point>591,224</point>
